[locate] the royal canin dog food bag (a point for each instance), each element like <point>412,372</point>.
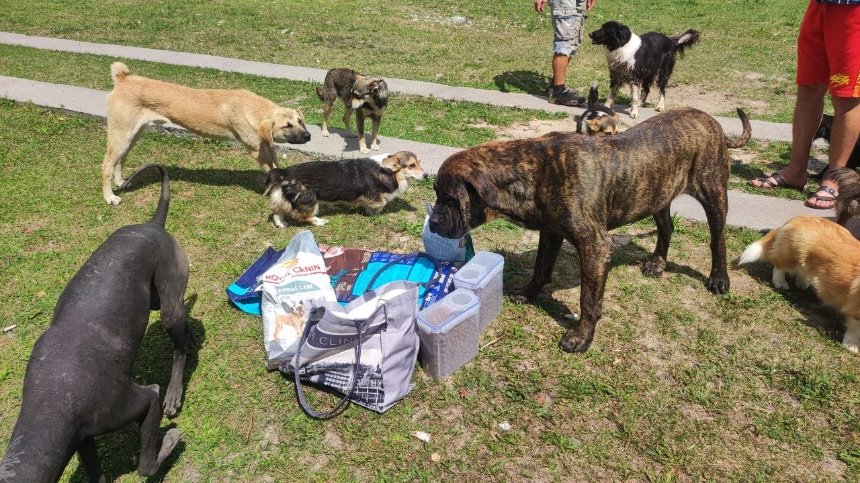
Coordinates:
<point>299,275</point>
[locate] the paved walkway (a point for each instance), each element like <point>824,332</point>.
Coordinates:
<point>752,211</point>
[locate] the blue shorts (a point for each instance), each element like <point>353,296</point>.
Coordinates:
<point>568,19</point>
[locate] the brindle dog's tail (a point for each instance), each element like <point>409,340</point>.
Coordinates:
<point>737,142</point>
<point>320,93</point>
<point>160,216</point>
<point>848,201</point>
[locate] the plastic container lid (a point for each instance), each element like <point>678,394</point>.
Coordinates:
<point>446,314</point>
<point>480,269</point>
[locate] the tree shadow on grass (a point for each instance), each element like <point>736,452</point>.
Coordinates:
<point>120,451</point>
<point>519,266</point>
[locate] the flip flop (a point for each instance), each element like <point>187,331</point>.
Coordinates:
<point>831,200</point>
<point>767,184</point>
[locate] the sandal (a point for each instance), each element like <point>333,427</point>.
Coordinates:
<point>778,182</point>
<point>816,197</point>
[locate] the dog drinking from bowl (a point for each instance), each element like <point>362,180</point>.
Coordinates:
<point>577,188</point>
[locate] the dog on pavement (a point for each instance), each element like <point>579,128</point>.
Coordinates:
<point>367,96</point>
<point>237,114</point>
<point>638,61</point>
<point>295,192</point>
<point>597,119</point>
<point>577,188</point>
<point>78,383</point>
<point>821,254</point>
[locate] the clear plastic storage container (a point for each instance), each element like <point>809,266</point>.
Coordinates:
<point>449,333</point>
<point>483,276</point>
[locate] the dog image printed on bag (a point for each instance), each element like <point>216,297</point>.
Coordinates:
<point>297,277</point>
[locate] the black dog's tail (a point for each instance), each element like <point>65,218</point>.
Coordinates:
<point>160,216</point>
<point>737,142</point>
<point>848,201</point>
<point>685,40</point>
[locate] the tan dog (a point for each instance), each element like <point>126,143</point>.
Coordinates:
<point>237,114</point>
<point>819,253</point>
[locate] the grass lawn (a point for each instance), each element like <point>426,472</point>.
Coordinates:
<point>747,51</point>
<point>679,383</point>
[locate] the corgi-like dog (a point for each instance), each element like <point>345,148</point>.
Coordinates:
<point>821,254</point>
<point>295,192</point>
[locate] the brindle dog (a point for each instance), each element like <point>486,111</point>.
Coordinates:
<point>577,188</point>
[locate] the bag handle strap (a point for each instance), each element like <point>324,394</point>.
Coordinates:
<point>427,284</point>
<point>344,402</point>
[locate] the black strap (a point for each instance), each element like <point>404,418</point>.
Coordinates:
<point>426,284</point>
<point>344,402</point>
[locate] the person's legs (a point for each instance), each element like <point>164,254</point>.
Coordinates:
<point>812,82</point>
<point>841,36</point>
<point>844,134</point>
<point>567,20</point>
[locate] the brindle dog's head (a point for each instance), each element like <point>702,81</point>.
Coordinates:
<point>612,35</point>
<point>285,126</point>
<point>463,196</point>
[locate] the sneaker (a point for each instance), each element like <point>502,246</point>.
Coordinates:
<point>567,97</point>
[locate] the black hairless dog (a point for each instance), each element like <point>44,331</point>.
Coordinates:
<point>78,382</point>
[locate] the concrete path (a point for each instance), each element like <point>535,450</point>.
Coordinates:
<point>748,210</point>
<point>760,129</point>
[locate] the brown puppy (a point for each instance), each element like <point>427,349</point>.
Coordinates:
<point>576,188</point>
<point>367,96</point>
<point>238,114</point>
<point>597,119</point>
<point>848,201</point>
<point>819,253</point>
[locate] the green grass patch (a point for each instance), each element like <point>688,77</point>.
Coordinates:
<point>746,55</point>
<point>450,123</point>
<point>679,384</point>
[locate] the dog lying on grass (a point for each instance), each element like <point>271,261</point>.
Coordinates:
<point>238,114</point>
<point>78,382</point>
<point>577,188</point>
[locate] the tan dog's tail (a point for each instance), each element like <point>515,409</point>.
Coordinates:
<point>737,142</point>
<point>119,71</point>
<point>758,251</point>
<point>848,201</point>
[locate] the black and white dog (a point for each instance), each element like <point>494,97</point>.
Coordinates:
<point>638,61</point>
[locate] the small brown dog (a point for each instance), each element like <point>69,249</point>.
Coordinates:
<point>819,253</point>
<point>237,114</point>
<point>367,96</point>
<point>597,119</point>
<point>848,200</point>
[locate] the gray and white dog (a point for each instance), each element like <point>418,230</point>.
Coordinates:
<point>367,96</point>
<point>78,382</point>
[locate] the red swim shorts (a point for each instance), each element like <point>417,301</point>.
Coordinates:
<point>828,48</point>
